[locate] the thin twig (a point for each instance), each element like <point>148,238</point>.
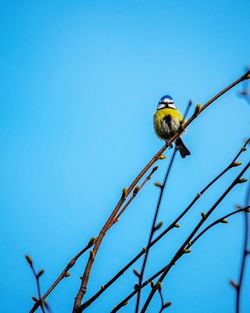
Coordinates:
<point>153,229</point>
<point>153,226</point>
<point>244,93</point>
<point>37,278</point>
<point>185,245</point>
<point>180,251</point>
<point>150,280</point>
<point>86,275</point>
<point>174,224</point>
<point>134,194</point>
<point>63,274</point>
<point>162,299</point>
<point>244,254</point>
<point>91,242</point>
<point>219,220</point>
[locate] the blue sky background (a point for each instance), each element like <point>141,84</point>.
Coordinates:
<point>79,84</point>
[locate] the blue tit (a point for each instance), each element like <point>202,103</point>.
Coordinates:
<point>167,120</point>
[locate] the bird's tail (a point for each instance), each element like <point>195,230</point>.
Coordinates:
<point>182,148</point>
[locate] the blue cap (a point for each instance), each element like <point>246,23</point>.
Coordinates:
<point>166,97</point>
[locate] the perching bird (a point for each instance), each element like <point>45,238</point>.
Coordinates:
<point>167,120</point>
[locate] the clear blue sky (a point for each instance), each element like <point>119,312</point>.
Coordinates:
<point>79,84</point>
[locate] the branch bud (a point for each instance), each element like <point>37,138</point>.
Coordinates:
<point>177,225</point>
<point>136,190</point>
<point>158,226</point>
<point>242,180</point>
<point>136,273</point>
<point>92,255</point>
<point>235,164</point>
<point>28,259</point>
<point>197,109</point>
<point>162,157</point>
<point>224,221</point>
<point>167,304</point>
<point>92,241</point>
<point>187,250</point>
<point>203,215</point>
<point>234,284</point>
<point>158,285</point>
<point>157,184</point>
<point>67,274</point>
<point>124,193</point>
<point>40,273</point>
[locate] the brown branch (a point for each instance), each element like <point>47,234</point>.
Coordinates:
<point>245,253</point>
<point>91,243</point>
<point>153,229</point>
<point>153,226</point>
<point>86,275</point>
<point>136,190</point>
<point>185,246</point>
<point>179,253</point>
<point>63,275</point>
<point>37,278</point>
<point>174,224</point>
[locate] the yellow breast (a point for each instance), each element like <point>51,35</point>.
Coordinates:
<point>162,129</point>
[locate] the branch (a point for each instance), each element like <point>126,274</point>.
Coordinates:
<point>87,271</point>
<point>180,251</point>
<point>65,272</point>
<point>245,253</point>
<point>223,220</point>
<point>244,93</point>
<point>164,305</point>
<point>153,226</point>
<point>174,224</point>
<point>37,277</point>
<point>63,275</point>
<point>185,247</point>
<point>136,190</point>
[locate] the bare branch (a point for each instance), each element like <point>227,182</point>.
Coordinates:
<point>185,245</point>
<point>37,278</point>
<point>64,274</point>
<point>183,249</point>
<point>223,219</point>
<point>245,253</point>
<point>136,190</point>
<point>153,226</point>
<point>244,93</point>
<point>86,275</point>
<point>173,225</point>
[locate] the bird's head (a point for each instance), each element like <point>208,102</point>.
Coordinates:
<point>166,102</point>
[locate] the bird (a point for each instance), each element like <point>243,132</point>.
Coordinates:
<point>167,121</point>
